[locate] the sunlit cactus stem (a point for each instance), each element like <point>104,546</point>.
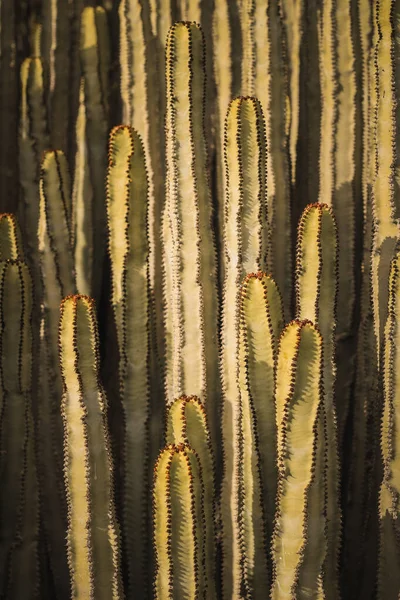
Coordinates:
<point>316,300</point>
<point>245,250</point>
<point>19,508</point>
<point>11,247</point>
<point>187,424</point>
<point>93,535</point>
<point>178,525</point>
<point>128,244</point>
<point>261,322</point>
<point>189,262</point>
<point>33,140</point>
<point>389,499</point>
<point>299,543</point>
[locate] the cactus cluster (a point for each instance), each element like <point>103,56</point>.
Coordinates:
<point>199,300</point>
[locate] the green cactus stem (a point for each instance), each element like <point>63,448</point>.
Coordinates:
<point>299,543</point>
<point>19,509</point>
<point>33,140</point>
<point>245,250</point>
<point>264,76</point>
<point>316,291</point>
<point>55,50</point>
<point>127,210</point>
<point>57,280</point>
<point>93,536</point>
<point>389,499</point>
<point>82,203</point>
<point>10,238</point>
<point>187,424</point>
<point>95,65</point>
<point>178,525</point>
<point>261,323</point>
<point>190,279</point>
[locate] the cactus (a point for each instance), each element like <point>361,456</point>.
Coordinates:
<point>389,550</point>
<point>19,491</point>
<point>316,290</point>
<point>245,250</point>
<point>57,279</point>
<point>261,321</point>
<point>127,208</point>
<point>93,536</point>
<point>178,525</point>
<point>95,64</point>
<point>299,543</point>
<point>10,238</point>
<point>190,286</point>
<point>187,424</point>
<point>33,140</point>
<point>264,76</point>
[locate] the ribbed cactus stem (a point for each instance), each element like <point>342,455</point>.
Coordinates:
<point>385,209</point>
<point>10,238</point>
<point>264,76</point>
<point>316,291</point>
<point>55,47</point>
<point>82,203</point>
<point>95,64</point>
<point>190,284</point>
<point>389,499</point>
<point>261,323</point>
<point>299,543</point>
<point>178,525</point>
<point>127,211</point>
<point>245,250</point>
<point>92,537</point>
<point>187,424</point>
<point>19,491</point>
<point>33,140</point>
<point>57,280</point>
<point>143,108</point>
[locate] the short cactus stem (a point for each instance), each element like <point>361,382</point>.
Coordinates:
<point>178,525</point>
<point>187,424</point>
<point>10,238</point>
<point>93,536</point>
<point>299,542</point>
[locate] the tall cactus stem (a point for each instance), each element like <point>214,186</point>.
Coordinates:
<point>10,238</point>
<point>93,536</point>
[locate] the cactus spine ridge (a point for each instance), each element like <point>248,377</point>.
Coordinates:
<point>178,524</point>
<point>93,536</point>
<point>127,211</point>
<point>301,469</point>
<point>10,238</point>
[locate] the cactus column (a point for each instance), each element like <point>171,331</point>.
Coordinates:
<point>127,210</point>
<point>190,280</point>
<point>93,537</point>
